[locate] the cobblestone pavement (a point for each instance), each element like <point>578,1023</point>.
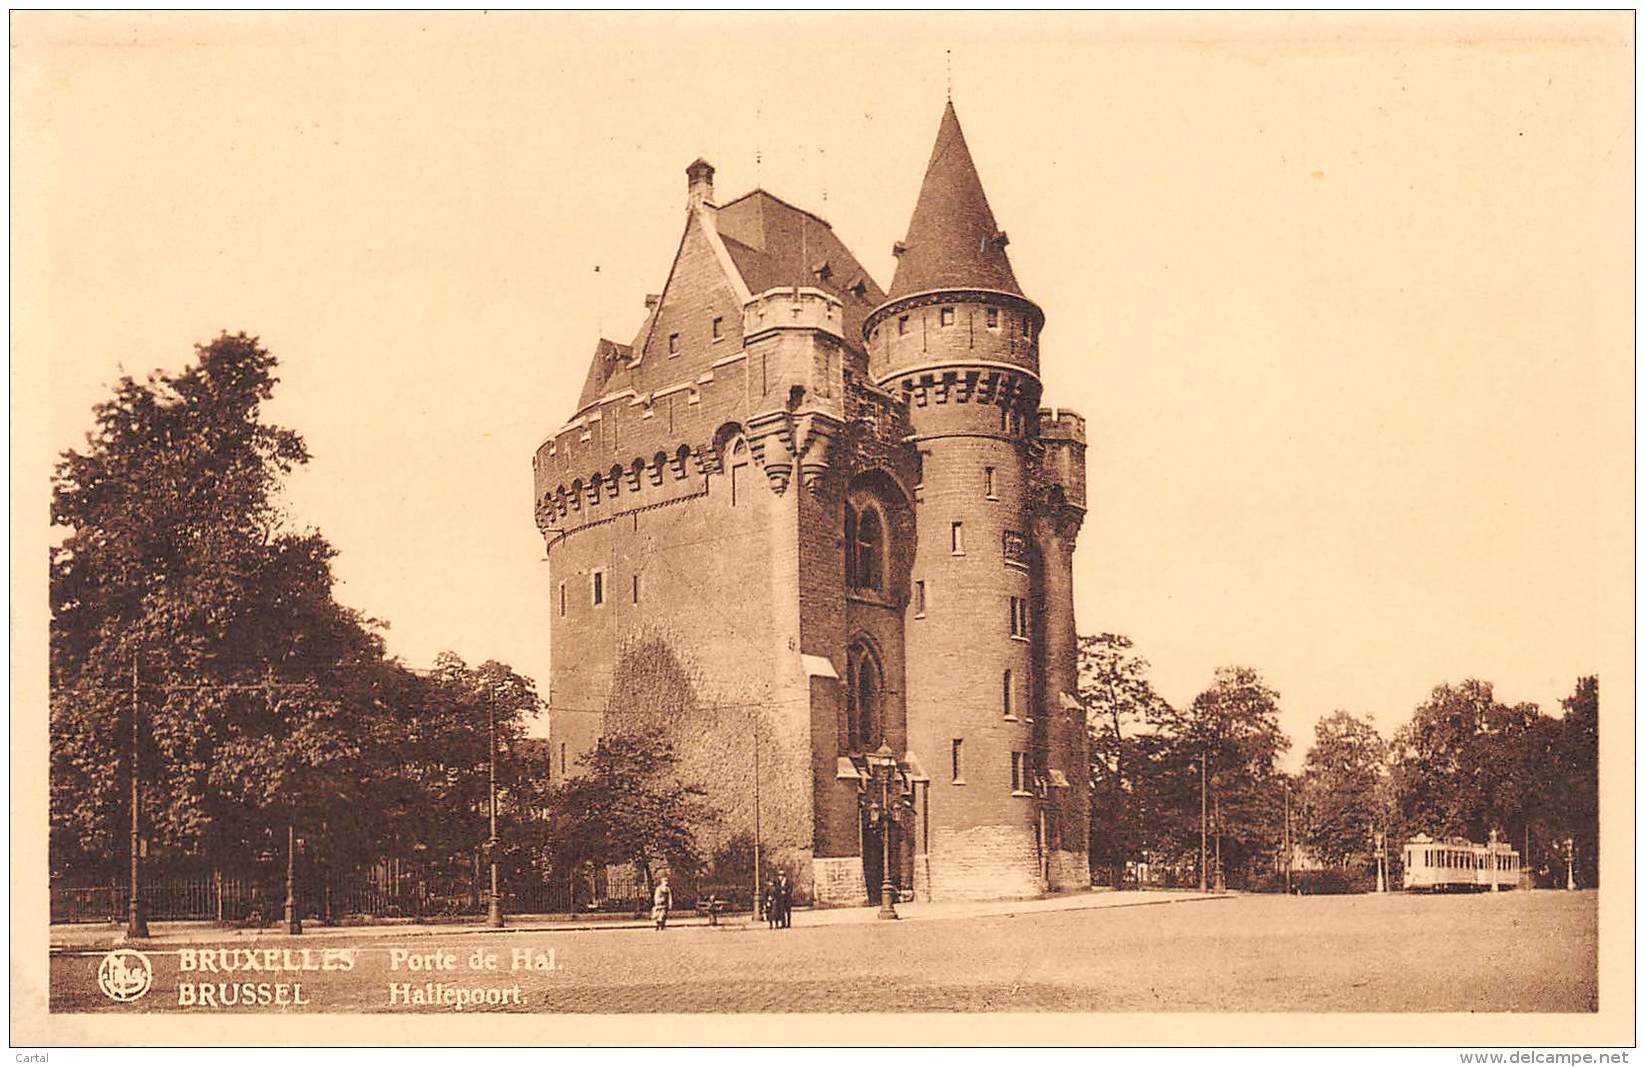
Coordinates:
<point>1502,952</point>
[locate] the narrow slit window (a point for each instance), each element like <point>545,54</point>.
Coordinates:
<point>1005,696</point>
<point>562,600</point>
<point>957,756</point>
<point>718,327</point>
<point>993,318</point>
<point>599,588</point>
<point>636,589</point>
<point>1019,772</point>
<point>956,538</point>
<point>919,599</point>
<point>902,324</point>
<point>988,483</point>
<point>673,344</point>
<point>1019,617</point>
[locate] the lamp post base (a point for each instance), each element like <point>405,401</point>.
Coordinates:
<point>137,927</point>
<point>294,925</point>
<point>494,915</point>
<point>888,910</point>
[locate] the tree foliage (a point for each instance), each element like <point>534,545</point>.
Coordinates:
<point>1343,802</point>
<point>1119,701</point>
<point>262,703</point>
<point>629,806</point>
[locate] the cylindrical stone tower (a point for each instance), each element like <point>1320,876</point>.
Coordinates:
<point>959,341</point>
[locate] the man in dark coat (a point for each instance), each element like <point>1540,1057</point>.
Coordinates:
<point>785,901</point>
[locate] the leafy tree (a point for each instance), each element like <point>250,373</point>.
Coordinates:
<point>1343,789</point>
<point>177,558</point>
<point>1234,727</point>
<point>628,806</point>
<point>1120,701</point>
<point>1576,761</point>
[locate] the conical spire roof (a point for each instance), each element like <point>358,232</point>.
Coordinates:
<point>953,241</point>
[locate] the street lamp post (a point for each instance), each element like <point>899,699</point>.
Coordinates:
<point>1287,835</point>
<point>1203,857</point>
<point>885,764</point>
<point>1382,862</point>
<point>136,925</point>
<point>1570,863</point>
<point>494,905</point>
<point>294,922</point>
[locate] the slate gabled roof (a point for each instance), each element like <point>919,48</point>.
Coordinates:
<point>775,244</point>
<point>953,241</point>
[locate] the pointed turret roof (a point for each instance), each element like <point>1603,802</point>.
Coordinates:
<point>953,241</point>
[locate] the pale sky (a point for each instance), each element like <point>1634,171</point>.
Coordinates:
<point>1346,301</point>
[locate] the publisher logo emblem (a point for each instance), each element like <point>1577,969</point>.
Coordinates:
<point>125,975</point>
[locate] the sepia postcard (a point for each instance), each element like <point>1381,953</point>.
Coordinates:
<point>823,529</point>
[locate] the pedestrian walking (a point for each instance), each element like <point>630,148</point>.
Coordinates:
<point>785,902</point>
<point>661,900</point>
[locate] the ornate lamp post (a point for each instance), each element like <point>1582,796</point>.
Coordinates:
<point>1382,862</point>
<point>1570,863</point>
<point>883,763</point>
<point>494,904</point>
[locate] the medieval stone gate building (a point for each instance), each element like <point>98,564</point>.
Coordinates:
<point>800,518</point>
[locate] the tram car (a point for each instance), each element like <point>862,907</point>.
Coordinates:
<point>1457,864</point>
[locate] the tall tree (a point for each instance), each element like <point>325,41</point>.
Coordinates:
<point>1119,702</point>
<point>177,562</point>
<point>1576,759</point>
<point>629,806</point>
<point>1343,789</point>
<point>1234,728</point>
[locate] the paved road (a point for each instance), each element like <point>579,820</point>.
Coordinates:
<point>1503,952</point>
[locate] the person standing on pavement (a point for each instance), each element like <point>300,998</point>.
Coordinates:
<point>785,901</point>
<point>661,900</point>
<point>768,901</point>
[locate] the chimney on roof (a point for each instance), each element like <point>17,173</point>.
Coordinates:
<point>699,185</point>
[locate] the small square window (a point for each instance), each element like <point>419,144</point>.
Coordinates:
<point>945,317</point>
<point>718,327</point>
<point>673,344</point>
<point>956,538</point>
<point>599,588</point>
<point>902,324</point>
<point>992,317</point>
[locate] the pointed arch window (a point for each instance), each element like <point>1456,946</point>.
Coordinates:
<point>870,550</point>
<point>865,691</point>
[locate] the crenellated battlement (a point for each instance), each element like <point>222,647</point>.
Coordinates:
<point>792,308</point>
<point>1061,425</point>
<point>1061,472</point>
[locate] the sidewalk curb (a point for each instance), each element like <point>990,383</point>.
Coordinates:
<point>1009,909</point>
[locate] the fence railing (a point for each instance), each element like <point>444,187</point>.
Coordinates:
<point>260,901</point>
